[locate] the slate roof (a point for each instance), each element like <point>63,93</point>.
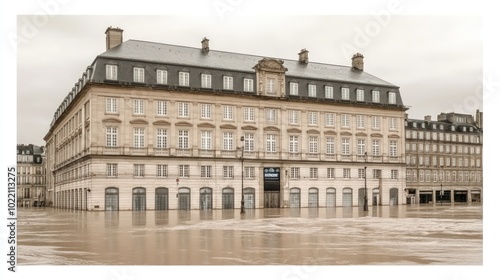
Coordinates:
<point>189,56</point>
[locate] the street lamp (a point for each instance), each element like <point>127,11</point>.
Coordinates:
<point>242,211</point>
<point>365,205</point>
<point>442,180</point>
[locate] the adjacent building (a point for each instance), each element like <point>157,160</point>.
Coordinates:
<point>444,158</point>
<point>158,126</point>
<point>31,186</point>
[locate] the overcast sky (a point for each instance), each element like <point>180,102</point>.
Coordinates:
<point>435,60</point>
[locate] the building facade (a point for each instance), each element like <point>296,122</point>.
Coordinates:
<point>158,126</point>
<point>444,159</point>
<point>31,185</point>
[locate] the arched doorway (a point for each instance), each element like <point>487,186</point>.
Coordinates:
<point>161,198</point>
<point>313,198</point>
<point>205,198</point>
<point>347,197</point>
<point>331,197</point>
<point>138,199</point>
<point>184,199</point>
<point>227,198</point>
<point>294,198</point>
<point>393,196</point>
<point>249,197</point>
<point>111,199</point>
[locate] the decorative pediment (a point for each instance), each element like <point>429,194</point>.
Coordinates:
<point>271,128</point>
<point>209,125</point>
<point>183,124</point>
<point>346,133</point>
<point>138,121</point>
<point>294,130</point>
<point>330,132</point>
<point>161,122</point>
<point>111,120</point>
<point>248,127</point>
<point>376,135</point>
<point>362,134</point>
<point>270,64</point>
<point>228,126</point>
<point>393,136</point>
<point>313,131</point>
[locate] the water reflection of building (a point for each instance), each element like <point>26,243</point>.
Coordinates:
<point>158,126</point>
<point>31,188</point>
<point>444,158</point>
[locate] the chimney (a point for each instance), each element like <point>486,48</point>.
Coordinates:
<point>304,56</point>
<point>204,45</point>
<point>427,119</point>
<point>357,61</point>
<point>114,37</point>
<point>479,119</point>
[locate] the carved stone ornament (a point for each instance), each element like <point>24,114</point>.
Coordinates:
<point>270,64</point>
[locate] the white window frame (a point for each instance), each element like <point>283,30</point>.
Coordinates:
<point>330,119</point>
<point>271,115</point>
<point>111,136</point>
<point>375,96</point>
<point>139,137</point>
<point>161,138</point>
<point>311,90</point>
<point>294,172</point>
<point>227,141</point>
<point>138,106</point>
<point>112,169</point>
<point>206,171</point>
<point>111,105</point>
<point>183,139</point>
<point>183,79</point>
<point>294,88</point>
<point>206,111</point>
<point>329,92</point>
<point>161,108</point>
<point>138,170</point>
<point>344,120</point>
<point>313,173</point>
<point>360,121</point>
<point>293,144</point>
<point>346,173</point>
<point>206,140</point>
<point>313,144</point>
<point>361,146</point>
<point>183,171</point>
<point>271,86</point>
<point>183,109</point>
<point>228,112</point>
<point>330,173</point>
<point>346,146</point>
<point>360,94</point>
<point>345,93</point>
<point>271,143</point>
<point>138,75</point>
<point>247,85</point>
<point>293,117</point>
<point>376,147</point>
<point>249,114</point>
<point>162,170</point>
<point>206,80</point>
<point>313,118</point>
<point>228,171</point>
<point>161,76</point>
<point>227,82</point>
<point>391,97</point>
<point>111,72</point>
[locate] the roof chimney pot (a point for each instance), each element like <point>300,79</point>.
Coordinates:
<point>114,37</point>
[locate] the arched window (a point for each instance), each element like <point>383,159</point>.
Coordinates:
<point>111,199</point>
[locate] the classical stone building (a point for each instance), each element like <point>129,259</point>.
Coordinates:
<point>158,126</point>
<point>31,188</point>
<point>444,158</point>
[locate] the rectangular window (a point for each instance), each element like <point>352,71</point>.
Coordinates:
<point>311,92</point>
<point>377,173</point>
<point>249,172</point>
<point>330,119</point>
<point>330,145</point>
<point>271,86</point>
<point>138,75</point>
<point>183,139</point>
<point>271,116</point>
<point>361,147</point>
<point>139,106</point>
<point>329,92</point>
<point>227,141</point>
<point>346,146</point>
<point>228,172</point>
<point>206,111</point>
<point>227,83</point>
<point>293,117</point>
<point>138,170</point>
<point>206,171</point>
<point>313,118</point>
<point>249,142</point>
<point>344,120</point>
<point>330,173</point>
<point>161,77</point>
<point>360,121</point>
<point>184,79</point>
<point>392,97</point>
<point>270,143</point>
<point>313,144</point>
<point>393,123</point>
<point>112,169</point>
<point>393,148</point>
<point>294,144</point>
<point>161,138</point>
<point>345,93</point>
<point>376,147</point>
<point>111,136</point>
<point>206,80</point>
<point>313,173</point>
<point>183,109</point>
<point>206,140</point>
<point>111,72</point>
<point>294,173</point>
<point>361,173</point>
<point>161,108</point>
<point>294,88</point>
<point>376,122</point>
<point>376,96</point>
<point>346,173</point>
<point>248,85</point>
<point>111,105</point>
<point>360,95</point>
<point>162,170</point>
<point>249,114</point>
<point>183,171</point>
<point>228,112</point>
<point>394,174</point>
<point>139,136</point>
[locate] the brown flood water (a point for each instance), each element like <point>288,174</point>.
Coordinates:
<point>406,234</point>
